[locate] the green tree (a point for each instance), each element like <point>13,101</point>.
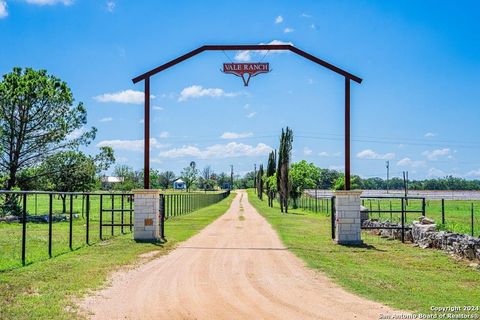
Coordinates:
<point>355,183</point>
<point>166,178</point>
<point>189,175</point>
<point>267,178</point>
<point>284,156</point>
<point>37,119</point>
<point>303,175</point>
<point>71,171</point>
<point>260,182</point>
<point>327,178</point>
<point>131,179</point>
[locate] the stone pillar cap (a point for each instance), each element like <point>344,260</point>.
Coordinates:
<point>147,191</point>
<point>348,192</point>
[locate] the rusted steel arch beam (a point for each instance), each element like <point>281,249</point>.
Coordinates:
<point>273,47</point>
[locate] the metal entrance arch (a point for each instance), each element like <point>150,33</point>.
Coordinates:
<point>146,77</point>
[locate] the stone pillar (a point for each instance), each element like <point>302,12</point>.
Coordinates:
<point>147,217</point>
<point>347,214</point>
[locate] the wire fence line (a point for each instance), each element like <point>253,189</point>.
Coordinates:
<point>36,225</point>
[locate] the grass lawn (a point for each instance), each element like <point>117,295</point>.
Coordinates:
<point>457,212</point>
<point>396,274</point>
<point>46,289</point>
<point>37,233</point>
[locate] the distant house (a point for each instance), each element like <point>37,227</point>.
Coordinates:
<point>179,184</point>
<point>108,182</point>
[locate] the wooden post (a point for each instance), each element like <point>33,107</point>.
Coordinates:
<point>146,154</point>
<point>347,133</point>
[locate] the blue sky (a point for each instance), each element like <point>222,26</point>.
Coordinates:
<point>418,105</point>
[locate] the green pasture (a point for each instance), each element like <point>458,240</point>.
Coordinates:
<point>399,275</point>
<point>48,288</point>
<point>457,212</point>
<point>37,233</point>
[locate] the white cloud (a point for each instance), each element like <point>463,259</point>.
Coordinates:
<point>435,154</point>
<point>436,173</point>
<point>76,133</point>
<point>49,2</point>
<point>197,91</point>
<point>243,56</point>
<point>370,154</point>
<point>247,106</point>
<point>218,151</point>
<point>305,15</point>
<point>407,162</point>
<point>430,135</point>
<point>288,30</point>
<point>474,173</point>
<point>251,114</point>
<point>337,168</point>
<point>246,55</point>
<point>126,96</point>
<point>3,9</point>
<point>106,119</point>
<point>307,151</point>
<point>157,108</point>
<point>313,26</point>
<point>278,19</point>
<point>233,135</point>
<point>164,134</point>
<point>111,6</point>
<point>131,145</point>
<point>327,154</point>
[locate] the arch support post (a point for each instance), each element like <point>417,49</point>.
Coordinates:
<point>347,134</point>
<point>146,121</point>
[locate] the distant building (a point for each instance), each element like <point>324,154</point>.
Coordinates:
<point>108,182</point>
<point>179,184</point>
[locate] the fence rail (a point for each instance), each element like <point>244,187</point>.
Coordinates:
<point>44,224</point>
<point>78,214</point>
<point>174,205</point>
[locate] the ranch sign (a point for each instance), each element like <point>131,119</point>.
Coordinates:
<point>246,70</point>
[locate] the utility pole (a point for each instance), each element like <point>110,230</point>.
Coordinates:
<point>388,172</point>
<point>255,177</point>
<point>231,176</point>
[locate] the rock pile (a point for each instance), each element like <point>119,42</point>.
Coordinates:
<point>424,234</point>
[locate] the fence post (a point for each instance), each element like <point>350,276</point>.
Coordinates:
<point>403,220</point>
<point>332,202</point>
<point>24,227</point>
<point>161,208</point>
<point>87,235</point>
<point>423,207</point>
<point>123,206</point>
<point>130,197</point>
<point>112,213</point>
<point>50,217</point>
<point>101,217</point>
<point>443,211</point>
<point>471,217</point>
<point>70,222</point>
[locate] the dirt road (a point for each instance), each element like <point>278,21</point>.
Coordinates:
<point>236,268</point>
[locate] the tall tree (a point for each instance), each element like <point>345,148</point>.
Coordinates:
<point>260,182</point>
<point>270,184</point>
<point>189,175</point>
<point>166,178</point>
<point>284,156</point>
<point>37,119</point>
